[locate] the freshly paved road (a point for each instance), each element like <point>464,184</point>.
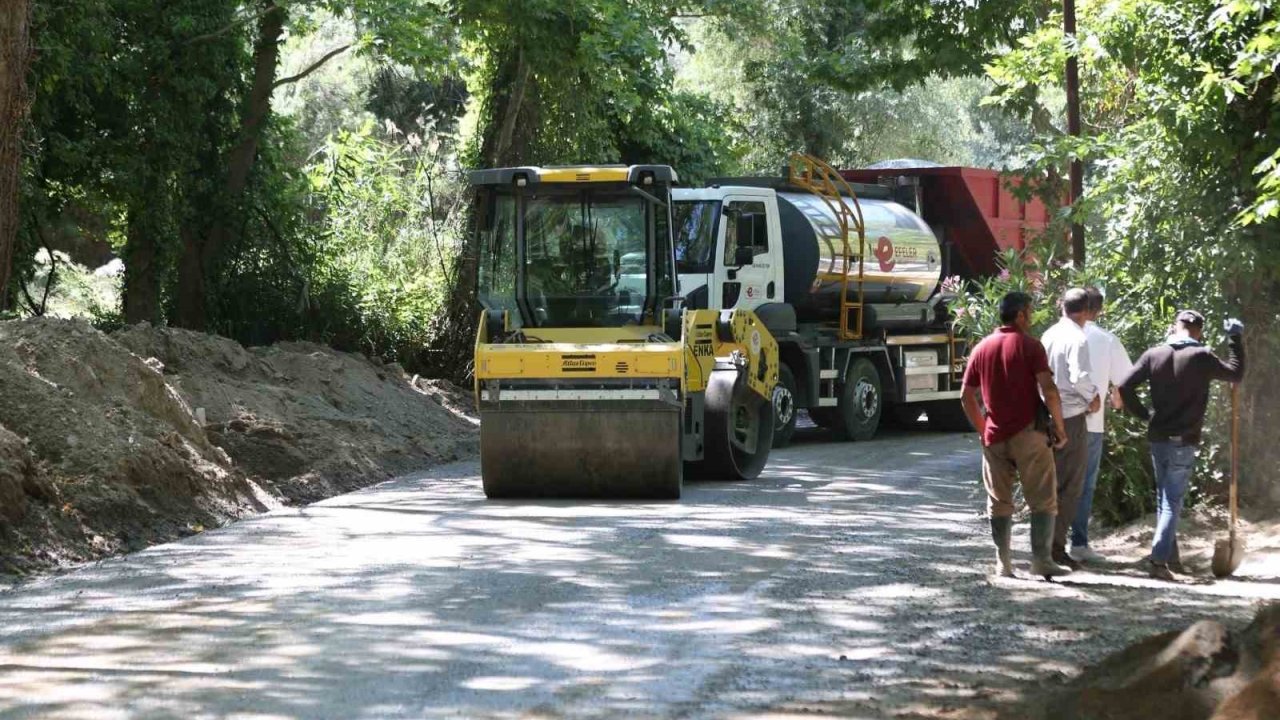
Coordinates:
<point>850,579</point>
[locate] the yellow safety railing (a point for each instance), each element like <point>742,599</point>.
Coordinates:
<point>810,173</point>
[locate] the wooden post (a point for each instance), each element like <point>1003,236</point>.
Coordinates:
<point>1073,128</point>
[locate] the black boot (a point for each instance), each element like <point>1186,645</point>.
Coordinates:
<point>1001,534</point>
<point>1042,563</point>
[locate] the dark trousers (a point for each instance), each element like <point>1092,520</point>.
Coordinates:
<point>1071,463</point>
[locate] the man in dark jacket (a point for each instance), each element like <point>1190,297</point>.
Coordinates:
<point>1179,372</point>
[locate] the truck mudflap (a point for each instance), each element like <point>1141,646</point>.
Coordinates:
<point>584,444</point>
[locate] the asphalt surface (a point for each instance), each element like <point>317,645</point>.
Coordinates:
<point>850,579</point>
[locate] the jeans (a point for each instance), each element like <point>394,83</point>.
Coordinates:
<point>1080,527</point>
<point>1174,460</point>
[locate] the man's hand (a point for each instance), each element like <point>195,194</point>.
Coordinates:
<point>1117,402</point>
<point>1234,327</point>
<point>1095,405</point>
<point>1060,436</point>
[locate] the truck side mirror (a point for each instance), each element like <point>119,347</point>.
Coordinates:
<point>744,255</point>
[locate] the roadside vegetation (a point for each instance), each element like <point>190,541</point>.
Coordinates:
<point>273,170</point>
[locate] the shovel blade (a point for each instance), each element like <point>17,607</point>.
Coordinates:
<point>1227,556</point>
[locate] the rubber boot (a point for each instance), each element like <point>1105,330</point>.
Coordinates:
<point>1001,533</point>
<point>1042,563</point>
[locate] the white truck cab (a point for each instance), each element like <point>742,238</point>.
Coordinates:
<point>728,247</point>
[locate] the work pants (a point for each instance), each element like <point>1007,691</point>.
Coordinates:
<point>1070,463</point>
<point>1080,528</point>
<point>1026,458</point>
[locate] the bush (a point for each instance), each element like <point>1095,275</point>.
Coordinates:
<point>393,212</point>
<point>1126,487</point>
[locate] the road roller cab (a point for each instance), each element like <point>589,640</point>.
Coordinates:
<point>592,380</point>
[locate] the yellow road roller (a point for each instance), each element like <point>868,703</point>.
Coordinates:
<point>592,378</point>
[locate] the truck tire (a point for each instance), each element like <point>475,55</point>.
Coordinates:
<point>948,416</point>
<point>784,407</point>
<point>861,402</point>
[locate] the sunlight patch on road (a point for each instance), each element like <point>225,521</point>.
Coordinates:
<point>582,657</point>
<point>499,683</point>
<point>708,541</point>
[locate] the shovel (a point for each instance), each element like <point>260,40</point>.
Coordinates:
<point>1228,553</point>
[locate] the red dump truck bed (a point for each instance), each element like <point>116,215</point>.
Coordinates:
<point>971,210</point>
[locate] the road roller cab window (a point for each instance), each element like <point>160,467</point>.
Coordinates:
<point>586,258</point>
<point>497,271</point>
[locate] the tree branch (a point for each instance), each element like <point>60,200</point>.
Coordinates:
<point>230,26</point>
<point>31,303</point>
<point>312,67</point>
<point>49,281</point>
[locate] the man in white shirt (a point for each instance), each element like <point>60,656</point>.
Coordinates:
<point>1068,351</point>
<point>1110,364</point>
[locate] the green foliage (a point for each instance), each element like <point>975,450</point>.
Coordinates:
<point>384,262</point>
<point>1180,106</point>
<point>797,79</point>
<point>589,81</point>
<point>61,287</point>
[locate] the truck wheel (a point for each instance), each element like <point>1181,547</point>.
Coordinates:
<point>784,407</point>
<point>861,401</point>
<point>948,416</point>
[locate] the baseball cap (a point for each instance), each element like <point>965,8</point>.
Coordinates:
<point>1190,317</point>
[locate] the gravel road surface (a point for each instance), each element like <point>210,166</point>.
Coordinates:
<point>851,579</point>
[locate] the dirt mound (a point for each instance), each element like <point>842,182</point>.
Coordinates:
<point>111,450</point>
<point>1206,672</point>
<point>109,444</point>
<point>307,420</point>
<point>17,473</point>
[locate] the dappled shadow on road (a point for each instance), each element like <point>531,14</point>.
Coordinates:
<point>850,578</point>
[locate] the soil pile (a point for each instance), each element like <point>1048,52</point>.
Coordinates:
<point>309,421</point>
<point>113,458</point>
<point>112,443</point>
<point>1206,672</point>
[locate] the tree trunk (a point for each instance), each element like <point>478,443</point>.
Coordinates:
<point>141,271</point>
<point>506,134</point>
<point>505,140</point>
<point>15,57</point>
<point>200,253</point>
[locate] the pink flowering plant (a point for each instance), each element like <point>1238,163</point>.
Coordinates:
<point>975,304</point>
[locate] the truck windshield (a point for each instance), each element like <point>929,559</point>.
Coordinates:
<point>695,235</point>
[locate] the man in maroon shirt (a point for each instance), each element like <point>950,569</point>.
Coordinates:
<point>1011,371</point>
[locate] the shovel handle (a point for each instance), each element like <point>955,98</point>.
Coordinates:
<point>1235,454</point>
